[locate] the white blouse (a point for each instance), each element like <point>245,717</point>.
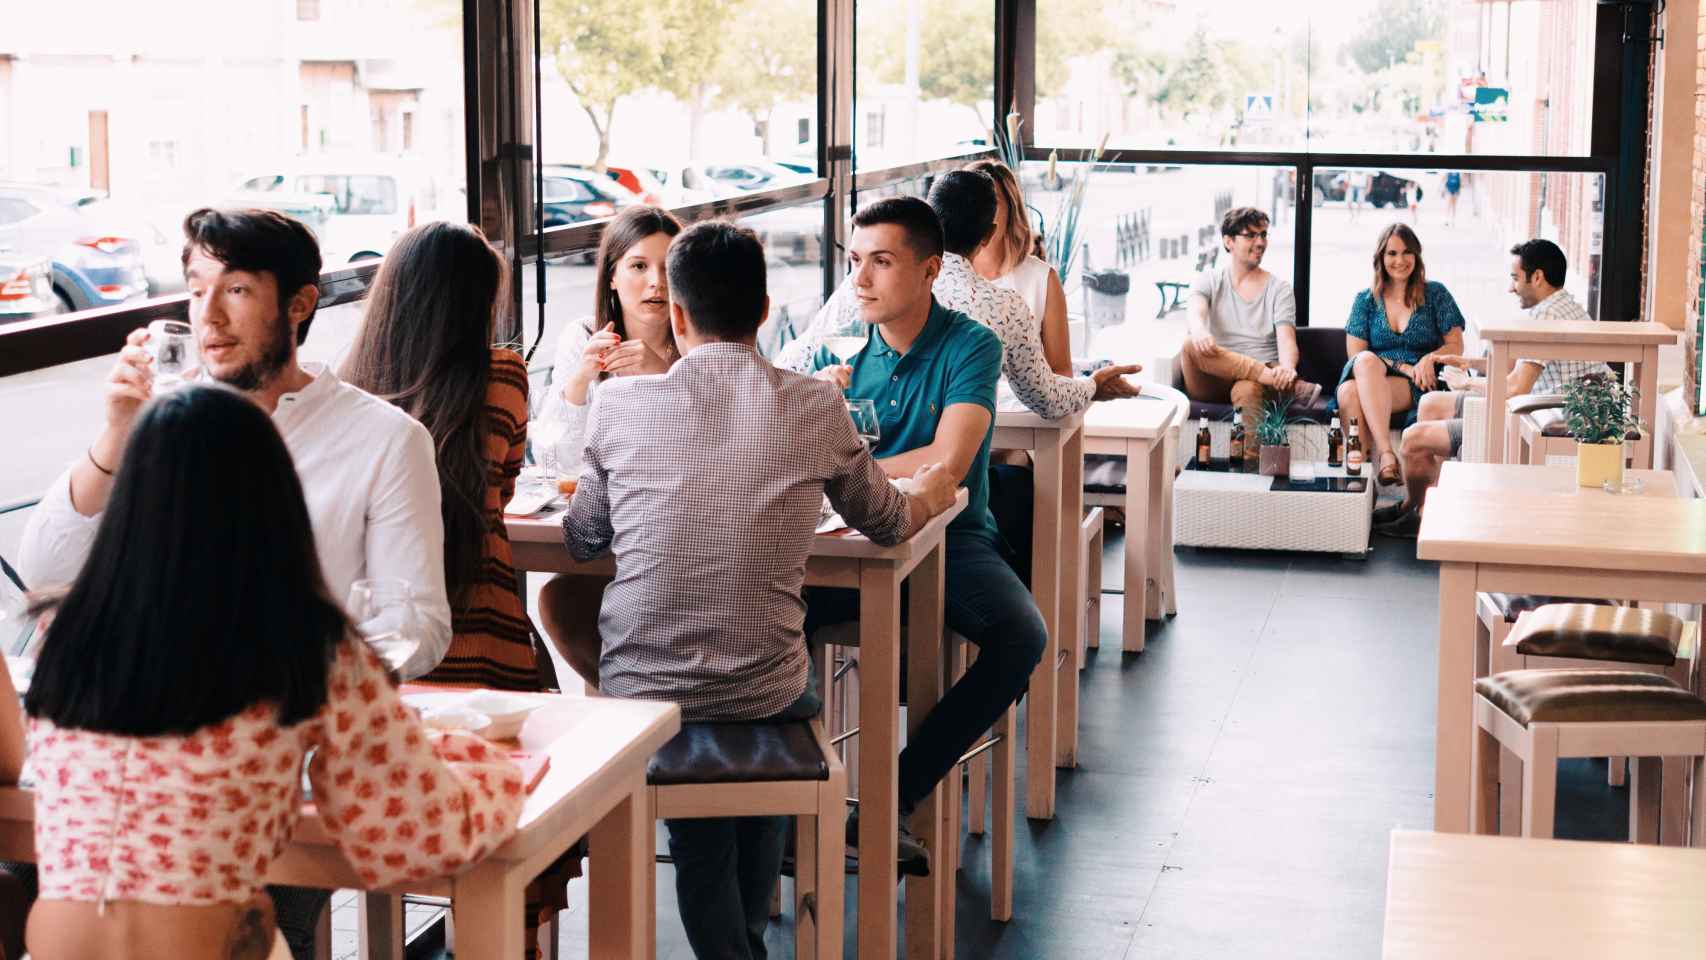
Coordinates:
<point>1029,280</point>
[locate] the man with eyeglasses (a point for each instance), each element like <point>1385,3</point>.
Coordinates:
<point>1241,345</point>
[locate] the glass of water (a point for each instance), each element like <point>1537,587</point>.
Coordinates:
<point>864,413</point>
<point>385,612</point>
<point>172,345</point>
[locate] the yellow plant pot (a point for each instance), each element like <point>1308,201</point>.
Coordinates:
<point>1597,463</point>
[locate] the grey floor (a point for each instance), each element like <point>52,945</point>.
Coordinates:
<point>1237,781</point>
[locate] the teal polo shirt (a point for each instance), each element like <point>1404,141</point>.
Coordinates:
<point>954,360</point>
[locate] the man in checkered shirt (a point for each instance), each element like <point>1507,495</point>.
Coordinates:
<point>1537,279</point>
<point>706,482</point>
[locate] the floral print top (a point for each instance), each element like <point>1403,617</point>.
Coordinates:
<point>195,820</point>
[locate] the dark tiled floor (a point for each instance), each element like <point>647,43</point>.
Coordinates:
<point>1237,780</point>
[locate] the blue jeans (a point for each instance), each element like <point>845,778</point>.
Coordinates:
<point>726,870</point>
<point>987,604</point>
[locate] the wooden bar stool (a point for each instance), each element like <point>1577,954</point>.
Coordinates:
<point>759,770</point>
<point>1544,715</point>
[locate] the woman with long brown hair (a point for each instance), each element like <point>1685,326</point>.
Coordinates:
<point>1008,260</point>
<point>426,346</point>
<point>1398,329</point>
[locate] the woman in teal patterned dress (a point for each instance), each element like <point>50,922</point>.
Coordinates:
<point>1397,330</point>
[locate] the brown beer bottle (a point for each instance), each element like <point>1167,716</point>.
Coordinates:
<point>1204,442</point>
<point>1335,445</point>
<point>1237,452</point>
<point>1353,452</point>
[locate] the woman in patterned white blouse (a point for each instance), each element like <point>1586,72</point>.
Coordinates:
<point>191,667</point>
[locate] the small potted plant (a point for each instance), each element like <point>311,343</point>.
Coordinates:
<point>1599,413</point>
<point>1273,436</point>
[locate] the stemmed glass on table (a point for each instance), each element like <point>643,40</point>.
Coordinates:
<point>386,614</point>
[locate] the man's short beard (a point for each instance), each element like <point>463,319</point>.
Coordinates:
<point>257,373</point>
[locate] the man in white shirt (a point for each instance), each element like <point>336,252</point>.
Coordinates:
<point>964,201</point>
<point>1537,270</point>
<point>1241,340</point>
<point>368,470</point>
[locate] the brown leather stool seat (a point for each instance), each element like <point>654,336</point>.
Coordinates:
<point>1589,696</point>
<point>1586,631</point>
<point>1514,605</point>
<point>738,753</point>
<point>1551,422</point>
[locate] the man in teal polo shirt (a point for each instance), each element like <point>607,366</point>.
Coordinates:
<point>931,373</point>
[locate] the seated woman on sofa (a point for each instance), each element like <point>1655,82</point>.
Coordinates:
<point>1397,331</point>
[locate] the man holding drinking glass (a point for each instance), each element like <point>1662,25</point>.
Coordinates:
<point>367,468</point>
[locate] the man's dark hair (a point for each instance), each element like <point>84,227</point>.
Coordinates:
<point>716,273</point>
<point>1240,219</point>
<point>914,217</point>
<point>1542,255</point>
<point>964,200</point>
<point>255,241</point>
<point>141,645</point>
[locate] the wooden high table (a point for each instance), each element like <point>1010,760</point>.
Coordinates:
<point>1051,726</point>
<point>1451,896</point>
<point>1137,429</point>
<point>1608,342</point>
<point>851,561</point>
<point>1516,529</point>
<point>596,784</point>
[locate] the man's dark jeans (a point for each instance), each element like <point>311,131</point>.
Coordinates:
<point>986,603</point>
<point>726,870</point>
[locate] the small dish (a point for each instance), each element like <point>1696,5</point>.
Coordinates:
<point>507,712</point>
<point>458,718</point>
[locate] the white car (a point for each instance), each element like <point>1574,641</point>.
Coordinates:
<point>356,208</point>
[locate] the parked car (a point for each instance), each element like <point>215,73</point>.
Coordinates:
<point>1383,188</point>
<point>792,234</point>
<point>357,206</point>
<point>91,264</point>
<point>724,179</point>
<point>640,182</point>
<point>575,194</point>
<point>26,286</point>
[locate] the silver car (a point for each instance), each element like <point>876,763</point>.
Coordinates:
<point>94,264</point>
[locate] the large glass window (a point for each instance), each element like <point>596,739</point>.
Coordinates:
<point>678,103</point>
<point>1362,76</point>
<point>925,79</point>
<point>346,113</point>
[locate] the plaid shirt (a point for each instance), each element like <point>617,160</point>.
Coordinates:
<point>959,288</point>
<point>1554,374</point>
<point>706,483</point>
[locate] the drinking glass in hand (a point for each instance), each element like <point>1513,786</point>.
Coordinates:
<point>864,414</point>
<point>847,339</point>
<point>172,345</point>
<point>384,611</point>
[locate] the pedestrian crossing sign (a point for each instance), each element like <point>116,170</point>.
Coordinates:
<point>1258,107</point>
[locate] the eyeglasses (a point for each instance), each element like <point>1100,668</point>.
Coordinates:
<point>1254,236</point>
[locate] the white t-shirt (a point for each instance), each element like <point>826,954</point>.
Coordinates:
<point>370,479</point>
<point>1246,326</point>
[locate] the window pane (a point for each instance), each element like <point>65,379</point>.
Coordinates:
<point>924,81</point>
<point>1361,76</point>
<point>299,107</point>
<point>683,103</point>
<point>1465,241</point>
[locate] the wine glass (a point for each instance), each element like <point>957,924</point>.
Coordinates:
<point>543,434</point>
<point>384,611</point>
<point>172,345</point>
<point>847,338</point>
<point>863,410</point>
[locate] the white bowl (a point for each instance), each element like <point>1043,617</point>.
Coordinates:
<point>507,711</point>
<point>458,718</point>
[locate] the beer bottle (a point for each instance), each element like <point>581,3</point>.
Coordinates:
<point>1353,452</point>
<point>1237,452</point>
<point>1335,445</point>
<point>1204,442</point>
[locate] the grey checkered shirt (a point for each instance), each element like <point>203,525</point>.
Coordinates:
<point>1554,374</point>
<point>706,482</point>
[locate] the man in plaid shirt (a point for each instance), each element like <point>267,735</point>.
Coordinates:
<point>1537,279</point>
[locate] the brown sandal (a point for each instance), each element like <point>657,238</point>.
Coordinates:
<point>1389,476</point>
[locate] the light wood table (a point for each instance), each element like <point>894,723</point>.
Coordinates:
<point>1137,430</point>
<point>1051,720</point>
<point>1450,896</point>
<point>595,786</point>
<point>1583,544</point>
<point>1608,342</point>
<point>1550,478</point>
<point>851,561</point>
